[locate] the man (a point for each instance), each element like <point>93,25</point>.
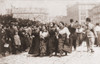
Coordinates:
<point>90,35</point>
<point>73,36</point>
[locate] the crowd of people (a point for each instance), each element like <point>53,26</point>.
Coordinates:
<point>46,39</point>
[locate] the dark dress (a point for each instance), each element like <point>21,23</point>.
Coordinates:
<point>12,43</point>
<point>35,47</point>
<point>23,40</point>
<point>2,41</point>
<point>51,44</point>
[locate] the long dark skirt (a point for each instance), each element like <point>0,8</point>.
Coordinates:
<point>12,46</point>
<point>35,48</point>
<point>1,46</point>
<point>51,44</point>
<point>28,41</point>
<point>64,45</point>
<point>23,43</point>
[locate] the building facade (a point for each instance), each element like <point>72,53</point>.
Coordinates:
<point>79,12</point>
<point>35,14</point>
<point>94,14</point>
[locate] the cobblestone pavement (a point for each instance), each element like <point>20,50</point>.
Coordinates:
<point>80,56</point>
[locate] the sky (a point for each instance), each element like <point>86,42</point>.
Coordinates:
<point>54,7</point>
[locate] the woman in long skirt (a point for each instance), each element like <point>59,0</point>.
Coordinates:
<point>35,47</point>
<point>63,45</point>
<point>23,39</point>
<point>17,42</point>
<point>43,40</point>
<point>51,45</point>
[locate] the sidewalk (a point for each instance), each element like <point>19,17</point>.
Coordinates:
<point>80,56</point>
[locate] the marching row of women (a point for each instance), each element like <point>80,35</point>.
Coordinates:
<point>41,40</point>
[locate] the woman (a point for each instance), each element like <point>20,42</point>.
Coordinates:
<point>51,45</point>
<point>17,39</point>
<point>11,36</point>
<point>63,39</point>
<point>43,40</point>
<point>35,47</point>
<point>23,39</point>
<point>17,42</point>
<point>28,34</point>
<point>2,41</point>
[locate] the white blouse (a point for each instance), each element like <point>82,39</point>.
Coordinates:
<point>64,31</point>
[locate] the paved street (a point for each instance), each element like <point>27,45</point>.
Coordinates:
<point>80,56</point>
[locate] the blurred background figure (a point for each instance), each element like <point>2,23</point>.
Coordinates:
<point>73,35</point>
<point>91,35</point>
<point>97,39</point>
